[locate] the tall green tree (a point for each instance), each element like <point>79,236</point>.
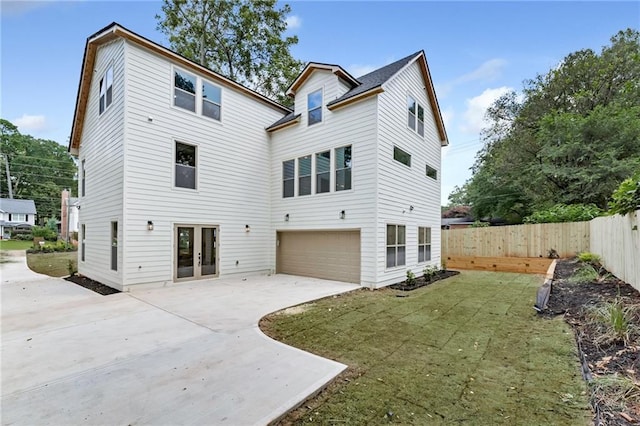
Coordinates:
<point>39,169</point>
<point>571,137</point>
<point>240,39</point>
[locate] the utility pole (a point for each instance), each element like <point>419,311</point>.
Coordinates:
<point>9,185</point>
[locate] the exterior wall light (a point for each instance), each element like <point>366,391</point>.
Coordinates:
<point>286,217</point>
<point>410,208</point>
<point>342,214</point>
<point>247,228</point>
<point>150,225</point>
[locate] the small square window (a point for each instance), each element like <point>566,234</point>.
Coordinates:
<point>431,172</point>
<point>314,107</point>
<point>185,173</point>
<point>401,156</point>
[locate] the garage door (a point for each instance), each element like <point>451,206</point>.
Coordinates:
<point>331,255</point>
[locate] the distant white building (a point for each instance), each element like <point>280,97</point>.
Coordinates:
<point>185,174</point>
<point>16,214</point>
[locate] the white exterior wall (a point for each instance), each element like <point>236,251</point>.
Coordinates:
<point>232,166</point>
<point>101,147</point>
<point>399,186</point>
<point>353,125</point>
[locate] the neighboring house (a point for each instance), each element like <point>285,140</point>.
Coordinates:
<point>185,174</point>
<point>16,214</point>
<point>456,222</point>
<point>69,215</point>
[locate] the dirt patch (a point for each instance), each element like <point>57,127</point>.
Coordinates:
<point>422,281</point>
<point>92,285</point>
<point>609,344</point>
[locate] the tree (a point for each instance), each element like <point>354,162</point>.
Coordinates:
<point>39,169</point>
<point>240,39</point>
<point>571,137</point>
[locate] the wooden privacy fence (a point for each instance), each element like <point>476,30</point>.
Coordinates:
<point>530,241</point>
<point>617,240</point>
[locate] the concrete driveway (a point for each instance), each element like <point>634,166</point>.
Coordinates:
<point>187,354</point>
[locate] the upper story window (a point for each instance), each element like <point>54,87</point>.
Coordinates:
<point>106,90</point>
<point>211,100</point>
<point>18,217</point>
<point>314,107</point>
<point>184,90</point>
<point>323,172</point>
<point>185,173</point>
<point>396,245</point>
<point>401,156</point>
<point>304,175</point>
<point>424,244</point>
<point>431,172</point>
<point>83,177</point>
<point>420,120</point>
<point>343,168</point>
<point>411,113</point>
<point>288,178</point>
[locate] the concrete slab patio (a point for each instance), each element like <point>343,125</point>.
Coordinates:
<point>186,354</point>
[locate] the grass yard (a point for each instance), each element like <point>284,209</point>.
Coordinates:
<point>15,245</point>
<point>469,349</point>
<point>53,264</point>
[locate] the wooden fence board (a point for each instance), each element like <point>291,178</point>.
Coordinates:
<point>527,265</point>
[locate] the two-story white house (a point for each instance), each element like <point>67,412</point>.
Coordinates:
<point>15,214</point>
<point>185,174</point>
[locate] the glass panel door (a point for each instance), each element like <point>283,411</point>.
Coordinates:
<point>209,252</point>
<point>185,254</point>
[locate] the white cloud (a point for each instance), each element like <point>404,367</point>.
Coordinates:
<point>293,22</point>
<point>474,116</point>
<point>487,71</point>
<point>30,123</point>
<point>360,70</point>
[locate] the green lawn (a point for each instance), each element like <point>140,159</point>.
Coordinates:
<point>52,264</point>
<point>15,245</point>
<point>469,350</point>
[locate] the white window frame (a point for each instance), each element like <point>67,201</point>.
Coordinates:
<point>429,171</point>
<point>319,107</point>
<point>204,99</point>
<point>299,175</point>
<point>105,98</point>
<point>395,245</point>
<point>83,240</point>
<point>175,163</point>
<point>336,169</point>
<point>420,121</point>
<point>317,174</point>
<point>114,244</point>
<point>424,235</point>
<point>395,147</point>
<point>292,179</point>
<point>83,177</point>
<point>174,71</point>
<point>411,116</point>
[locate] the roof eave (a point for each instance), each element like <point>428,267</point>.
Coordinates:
<point>311,66</point>
<point>283,125</point>
<point>353,99</point>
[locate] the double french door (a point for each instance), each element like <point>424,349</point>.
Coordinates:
<point>196,251</point>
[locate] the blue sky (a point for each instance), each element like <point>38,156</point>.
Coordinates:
<point>476,51</point>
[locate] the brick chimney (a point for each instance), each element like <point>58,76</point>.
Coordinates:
<point>64,215</point>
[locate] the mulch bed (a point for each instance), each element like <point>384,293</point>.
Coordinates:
<point>421,281</point>
<point>602,356</point>
<point>92,285</point>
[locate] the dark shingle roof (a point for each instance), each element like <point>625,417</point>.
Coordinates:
<point>375,78</point>
<point>11,205</point>
<point>287,118</point>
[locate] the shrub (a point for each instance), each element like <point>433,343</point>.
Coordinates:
<point>616,318</point>
<point>626,198</point>
<point>429,272</point>
<point>22,237</point>
<point>590,258</point>
<point>52,247</point>
<point>564,213</point>
<point>586,273</point>
<point>444,265</point>
<point>72,268</point>
<point>44,232</point>
<point>411,278</point>
<point>478,224</point>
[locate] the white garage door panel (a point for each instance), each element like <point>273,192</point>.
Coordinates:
<point>331,255</point>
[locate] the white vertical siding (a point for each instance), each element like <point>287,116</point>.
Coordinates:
<point>101,147</point>
<point>233,161</point>
<point>399,186</point>
<point>354,125</point>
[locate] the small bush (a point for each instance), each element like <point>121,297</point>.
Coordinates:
<point>429,272</point>
<point>590,258</point>
<point>72,268</point>
<point>411,278</point>
<point>44,232</point>
<point>585,274</point>
<point>478,224</point>
<point>52,247</point>
<point>626,198</point>
<point>615,318</point>
<point>22,237</point>
<point>444,265</point>
<point>564,213</point>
